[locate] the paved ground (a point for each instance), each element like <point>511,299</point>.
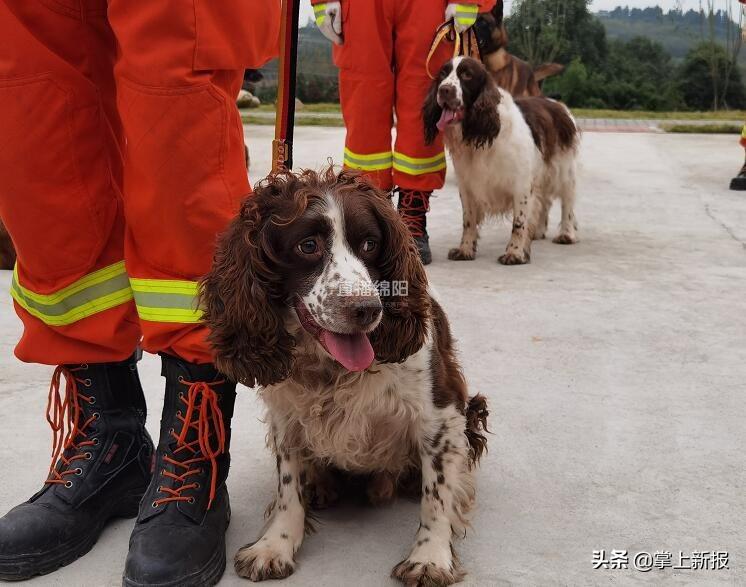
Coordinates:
<point>615,371</point>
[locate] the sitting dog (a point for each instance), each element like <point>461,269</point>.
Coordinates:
<point>510,155</point>
<point>318,295</point>
<point>511,73</point>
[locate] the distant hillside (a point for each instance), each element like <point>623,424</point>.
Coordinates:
<point>677,31</point>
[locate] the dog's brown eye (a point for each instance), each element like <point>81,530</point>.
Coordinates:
<point>466,76</point>
<point>369,245</point>
<point>308,246</point>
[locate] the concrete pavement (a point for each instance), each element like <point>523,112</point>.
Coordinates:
<point>615,371</point>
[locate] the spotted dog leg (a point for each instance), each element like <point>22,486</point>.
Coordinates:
<point>447,497</point>
<point>272,556</point>
<point>518,251</point>
<point>542,222</point>
<point>467,250</point>
<point>568,225</point>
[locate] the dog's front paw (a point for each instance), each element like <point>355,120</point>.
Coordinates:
<point>565,239</point>
<point>261,561</point>
<point>514,258</point>
<point>419,574</point>
<point>462,254</point>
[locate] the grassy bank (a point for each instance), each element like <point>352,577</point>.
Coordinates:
<point>708,129</point>
<point>328,114</point>
<point>648,115</point>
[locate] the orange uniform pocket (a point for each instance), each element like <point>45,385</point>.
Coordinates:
<point>236,34</point>
<point>57,227</point>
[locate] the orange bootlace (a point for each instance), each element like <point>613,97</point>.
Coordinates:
<point>413,205</point>
<point>64,415</point>
<point>203,415</point>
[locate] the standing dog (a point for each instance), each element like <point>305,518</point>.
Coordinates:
<point>318,294</point>
<point>510,156</point>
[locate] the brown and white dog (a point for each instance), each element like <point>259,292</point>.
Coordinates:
<point>318,295</point>
<point>510,155</point>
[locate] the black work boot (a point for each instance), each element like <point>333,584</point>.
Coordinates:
<point>413,207</point>
<point>100,469</point>
<point>738,183</point>
<point>179,538</point>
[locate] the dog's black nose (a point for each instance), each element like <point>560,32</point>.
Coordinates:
<point>365,311</point>
<point>447,92</point>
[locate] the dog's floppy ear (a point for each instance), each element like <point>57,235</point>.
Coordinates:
<point>481,123</point>
<point>241,303</point>
<point>406,302</point>
<point>431,112</point>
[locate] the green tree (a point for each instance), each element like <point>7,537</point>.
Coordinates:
<point>544,31</point>
<point>637,75</point>
<point>700,89</point>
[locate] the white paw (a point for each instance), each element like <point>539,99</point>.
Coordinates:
<point>265,559</point>
<point>565,239</point>
<point>422,574</point>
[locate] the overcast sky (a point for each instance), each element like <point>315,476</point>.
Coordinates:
<point>307,12</point>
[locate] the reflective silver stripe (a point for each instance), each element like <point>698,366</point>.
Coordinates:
<point>368,164</point>
<point>75,301</point>
<point>165,300</point>
<point>95,292</point>
<point>412,168</point>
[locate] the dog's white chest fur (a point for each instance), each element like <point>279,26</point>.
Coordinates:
<point>360,422</point>
<point>492,175</point>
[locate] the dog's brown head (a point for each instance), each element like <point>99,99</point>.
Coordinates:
<point>327,252</point>
<point>463,93</point>
<point>491,30</point>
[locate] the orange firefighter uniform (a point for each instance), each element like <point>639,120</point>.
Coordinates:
<point>381,72</point>
<point>121,157</point>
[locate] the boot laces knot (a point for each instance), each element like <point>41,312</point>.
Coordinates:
<point>413,205</point>
<point>67,419</point>
<point>204,417</point>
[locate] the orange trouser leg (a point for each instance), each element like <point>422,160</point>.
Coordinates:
<point>366,87</point>
<point>184,170</point>
<point>417,166</point>
<point>59,183</point>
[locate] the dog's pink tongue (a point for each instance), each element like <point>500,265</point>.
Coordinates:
<point>353,351</point>
<point>446,118</point>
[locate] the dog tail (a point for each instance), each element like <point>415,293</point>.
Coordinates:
<point>476,426</point>
<point>547,70</point>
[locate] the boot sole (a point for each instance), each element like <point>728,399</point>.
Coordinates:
<point>24,567</point>
<point>207,576</point>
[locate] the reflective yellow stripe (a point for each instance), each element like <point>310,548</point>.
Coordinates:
<point>417,166</point>
<point>743,132</point>
<point>472,8</point>
<point>466,13</point>
<point>319,11</point>
<point>167,300</point>
<point>369,162</point>
<point>96,292</point>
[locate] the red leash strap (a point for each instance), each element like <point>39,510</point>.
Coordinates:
<point>282,147</point>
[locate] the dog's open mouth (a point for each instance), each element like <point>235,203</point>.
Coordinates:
<point>353,351</point>
<point>449,116</point>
